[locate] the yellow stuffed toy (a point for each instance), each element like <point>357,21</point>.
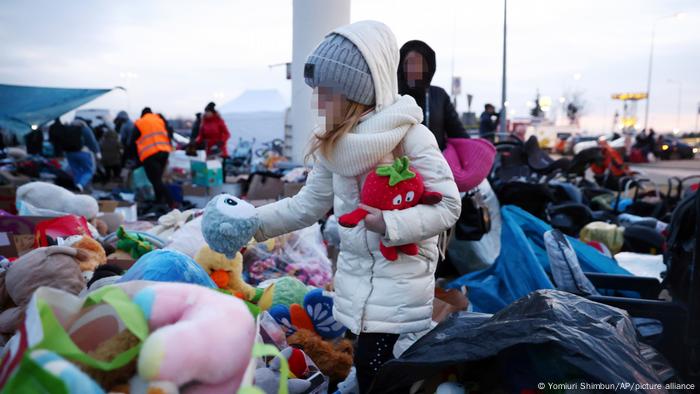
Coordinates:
<point>226,273</point>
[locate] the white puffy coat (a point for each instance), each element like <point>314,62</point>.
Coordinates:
<point>371,293</point>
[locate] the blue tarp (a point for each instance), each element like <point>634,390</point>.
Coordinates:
<point>523,265</point>
<point>24,106</point>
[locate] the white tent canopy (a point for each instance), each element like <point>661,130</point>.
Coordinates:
<point>255,114</point>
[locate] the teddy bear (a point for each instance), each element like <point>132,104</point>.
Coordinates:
<point>48,196</point>
<point>94,251</point>
<point>225,272</point>
<point>51,266</point>
<point>108,349</point>
<point>313,329</point>
<point>392,187</point>
<point>334,359</point>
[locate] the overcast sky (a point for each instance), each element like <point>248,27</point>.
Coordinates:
<point>186,53</point>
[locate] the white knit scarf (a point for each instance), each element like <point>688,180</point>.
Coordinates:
<point>374,138</point>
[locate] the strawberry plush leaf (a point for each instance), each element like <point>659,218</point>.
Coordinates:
<point>397,172</point>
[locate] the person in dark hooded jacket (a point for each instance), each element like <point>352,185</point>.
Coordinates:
<point>415,72</point>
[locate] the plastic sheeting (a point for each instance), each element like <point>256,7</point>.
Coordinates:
<point>547,336</point>
<point>24,106</point>
<point>523,264</point>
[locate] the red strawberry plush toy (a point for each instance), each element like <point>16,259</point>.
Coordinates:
<point>391,187</point>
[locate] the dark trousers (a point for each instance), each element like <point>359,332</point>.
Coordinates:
<point>112,172</point>
<point>155,166</point>
<point>371,351</point>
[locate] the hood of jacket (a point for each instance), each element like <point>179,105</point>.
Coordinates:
<point>378,134</point>
<point>429,55</point>
<point>122,115</point>
<point>374,138</point>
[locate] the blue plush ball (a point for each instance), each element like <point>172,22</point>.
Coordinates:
<point>168,266</point>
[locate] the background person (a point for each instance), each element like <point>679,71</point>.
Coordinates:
<point>415,73</point>
<point>488,122</point>
<point>353,73</point>
<point>111,154</point>
<point>151,144</point>
<point>213,131</point>
<point>78,143</point>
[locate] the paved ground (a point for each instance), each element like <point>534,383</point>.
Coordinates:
<point>660,171</point>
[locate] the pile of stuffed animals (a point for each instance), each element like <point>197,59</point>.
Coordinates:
<point>140,330</point>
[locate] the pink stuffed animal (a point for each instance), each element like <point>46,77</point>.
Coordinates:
<point>200,338</point>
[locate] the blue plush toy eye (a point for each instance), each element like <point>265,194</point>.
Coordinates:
<point>231,201</point>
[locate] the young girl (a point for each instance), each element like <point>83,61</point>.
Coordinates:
<point>353,73</point>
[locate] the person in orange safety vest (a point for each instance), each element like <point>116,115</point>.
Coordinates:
<point>151,144</point>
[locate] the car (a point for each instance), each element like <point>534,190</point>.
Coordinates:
<point>573,140</point>
<point>616,141</point>
<point>672,148</point>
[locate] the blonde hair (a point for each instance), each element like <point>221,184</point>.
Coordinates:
<point>326,142</point>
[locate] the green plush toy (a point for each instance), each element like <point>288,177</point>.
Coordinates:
<point>285,291</point>
<point>134,244</point>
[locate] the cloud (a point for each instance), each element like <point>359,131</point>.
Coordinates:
<point>183,52</point>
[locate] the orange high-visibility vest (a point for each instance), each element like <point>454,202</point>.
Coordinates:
<point>154,137</point>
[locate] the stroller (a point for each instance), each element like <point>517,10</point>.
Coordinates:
<point>270,154</point>
<point>241,159</point>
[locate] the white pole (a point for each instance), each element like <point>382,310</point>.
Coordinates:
<point>651,60</point>
<point>680,100</point>
<point>504,111</point>
<point>679,104</point>
<point>312,20</point>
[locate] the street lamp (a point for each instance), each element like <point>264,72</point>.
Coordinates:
<point>680,92</point>
<point>678,15</point>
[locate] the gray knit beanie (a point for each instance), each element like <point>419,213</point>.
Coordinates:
<point>337,63</point>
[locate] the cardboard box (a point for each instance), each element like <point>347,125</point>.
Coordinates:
<point>199,195</point>
<point>265,187</point>
<point>291,189</point>
<point>128,209</point>
<point>107,206</point>
<point>234,189</point>
<point>207,173</point>
<point>17,234</point>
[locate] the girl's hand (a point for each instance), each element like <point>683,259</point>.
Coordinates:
<point>374,221</point>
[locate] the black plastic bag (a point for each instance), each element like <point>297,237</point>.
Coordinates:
<point>548,336</point>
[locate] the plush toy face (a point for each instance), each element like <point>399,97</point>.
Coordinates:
<point>234,207</point>
<point>228,224</point>
<point>391,187</point>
